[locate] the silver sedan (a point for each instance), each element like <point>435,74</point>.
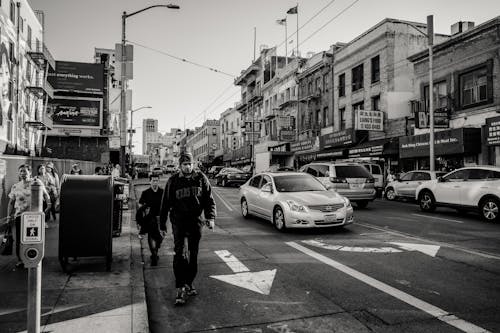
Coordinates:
<point>294,200</point>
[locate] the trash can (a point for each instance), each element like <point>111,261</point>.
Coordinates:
<point>86,218</point>
<point>118,206</point>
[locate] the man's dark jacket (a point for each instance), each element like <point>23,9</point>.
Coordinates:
<point>185,198</point>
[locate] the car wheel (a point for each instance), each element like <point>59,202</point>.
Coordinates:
<point>362,203</point>
<point>390,194</point>
<point>490,209</point>
<point>224,183</point>
<point>279,219</point>
<point>427,202</point>
<point>244,208</point>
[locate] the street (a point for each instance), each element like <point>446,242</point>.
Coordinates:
<point>395,269</point>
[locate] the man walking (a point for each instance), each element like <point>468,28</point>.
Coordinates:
<point>187,194</point>
<point>149,212</point>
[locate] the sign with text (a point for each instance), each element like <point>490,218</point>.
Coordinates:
<point>78,112</point>
<point>31,231</point>
<point>307,144</point>
<point>369,120</point>
<point>77,77</point>
<point>441,119</point>
<point>287,135</point>
<point>493,131</point>
<point>338,139</point>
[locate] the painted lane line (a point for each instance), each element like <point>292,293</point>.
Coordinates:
<point>223,201</point>
<point>351,248</point>
<point>402,296</point>
<point>400,218</point>
<point>442,244</point>
<point>233,263</point>
<point>438,218</point>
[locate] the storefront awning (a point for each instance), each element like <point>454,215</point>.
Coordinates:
<point>381,147</point>
<point>448,142</point>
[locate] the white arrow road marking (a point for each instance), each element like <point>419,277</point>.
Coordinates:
<point>430,250</point>
<point>46,310</point>
<point>402,296</point>
<point>351,248</point>
<point>260,282</point>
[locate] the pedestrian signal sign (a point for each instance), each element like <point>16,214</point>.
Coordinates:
<point>31,227</point>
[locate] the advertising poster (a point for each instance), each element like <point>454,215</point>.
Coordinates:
<point>77,77</point>
<point>77,112</point>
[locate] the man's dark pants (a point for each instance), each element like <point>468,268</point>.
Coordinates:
<point>185,269</point>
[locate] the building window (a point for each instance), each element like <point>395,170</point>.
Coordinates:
<point>357,77</point>
<point>325,116</point>
<point>214,130</point>
<point>474,87</point>
<point>310,88</point>
<point>439,97</point>
<point>317,84</point>
<point>325,83</point>
<point>358,106</point>
<point>342,119</point>
<point>287,95</point>
<point>11,52</point>
<point>375,69</point>
<point>29,37</point>
<point>341,85</point>
<point>376,103</point>
<point>318,118</point>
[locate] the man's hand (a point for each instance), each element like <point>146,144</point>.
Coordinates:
<point>210,223</point>
<point>163,233</point>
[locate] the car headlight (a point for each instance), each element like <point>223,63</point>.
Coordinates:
<point>347,202</point>
<point>296,207</point>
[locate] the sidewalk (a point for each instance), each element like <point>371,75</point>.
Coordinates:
<point>89,299</point>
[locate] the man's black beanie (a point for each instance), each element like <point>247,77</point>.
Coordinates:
<point>185,157</point>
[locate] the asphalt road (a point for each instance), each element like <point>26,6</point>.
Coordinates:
<point>395,269</point>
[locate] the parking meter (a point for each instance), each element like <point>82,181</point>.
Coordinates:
<point>32,237</point>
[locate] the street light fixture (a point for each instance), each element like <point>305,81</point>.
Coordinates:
<point>123,113</point>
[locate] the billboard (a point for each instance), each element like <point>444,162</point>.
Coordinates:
<point>76,112</point>
<point>77,77</point>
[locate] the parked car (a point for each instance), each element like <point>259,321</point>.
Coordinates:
<point>157,171</point>
<point>351,180</point>
<point>231,176</point>
<point>294,200</point>
<point>405,186</point>
<point>469,188</point>
<point>214,171</point>
<point>377,174</point>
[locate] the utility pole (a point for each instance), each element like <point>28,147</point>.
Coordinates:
<point>123,112</point>
<point>430,42</point>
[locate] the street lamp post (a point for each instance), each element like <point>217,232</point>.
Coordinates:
<point>123,112</point>
<point>131,131</point>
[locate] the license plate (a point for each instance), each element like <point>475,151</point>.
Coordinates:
<point>331,218</point>
<point>355,186</point>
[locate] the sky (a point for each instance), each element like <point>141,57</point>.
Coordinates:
<point>220,34</point>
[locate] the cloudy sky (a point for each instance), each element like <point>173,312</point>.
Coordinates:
<point>220,34</point>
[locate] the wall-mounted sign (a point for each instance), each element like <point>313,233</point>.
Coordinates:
<point>287,135</point>
<point>338,139</point>
<point>441,119</point>
<point>493,131</point>
<point>76,112</point>
<point>307,144</point>
<point>369,120</point>
<point>77,77</point>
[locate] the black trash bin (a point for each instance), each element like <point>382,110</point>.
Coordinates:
<point>85,222</point>
<point>120,198</point>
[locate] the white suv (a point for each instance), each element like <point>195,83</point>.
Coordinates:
<point>470,188</point>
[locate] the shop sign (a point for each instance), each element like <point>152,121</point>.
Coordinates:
<point>77,77</point>
<point>308,144</point>
<point>367,151</point>
<point>78,112</point>
<point>338,139</point>
<point>114,142</point>
<point>287,135</point>
<point>369,120</point>
<point>445,143</point>
<point>331,154</point>
<point>441,119</point>
<point>284,147</point>
<point>493,131</point>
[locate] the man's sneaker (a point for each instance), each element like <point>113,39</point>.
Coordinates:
<point>191,290</point>
<point>181,296</point>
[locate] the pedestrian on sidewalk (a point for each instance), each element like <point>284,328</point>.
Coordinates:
<point>50,185</point>
<point>20,201</point>
<point>148,216</point>
<point>116,172</point>
<point>187,194</point>
<point>75,169</point>
<point>54,198</point>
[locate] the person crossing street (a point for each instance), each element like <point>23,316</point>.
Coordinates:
<point>187,195</point>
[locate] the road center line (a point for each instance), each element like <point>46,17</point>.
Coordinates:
<point>442,244</point>
<point>402,296</point>
<point>223,201</point>
<point>438,218</point>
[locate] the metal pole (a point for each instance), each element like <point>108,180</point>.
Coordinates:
<point>286,42</point>
<point>297,30</point>
<point>130,140</point>
<point>123,112</point>
<point>35,273</point>
<point>430,35</point>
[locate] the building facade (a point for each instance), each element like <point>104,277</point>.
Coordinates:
<point>204,142</point>
<point>466,95</point>
<point>25,62</point>
<point>231,134</point>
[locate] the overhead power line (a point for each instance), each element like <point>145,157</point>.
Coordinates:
<point>182,59</point>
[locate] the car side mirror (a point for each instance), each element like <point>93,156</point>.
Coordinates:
<point>267,189</point>
<point>440,179</point>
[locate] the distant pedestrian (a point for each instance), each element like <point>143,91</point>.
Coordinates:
<point>390,176</point>
<point>116,172</point>
<point>148,216</point>
<point>54,197</point>
<point>188,194</point>
<point>50,185</point>
<point>98,171</point>
<point>75,169</point>
<point>20,201</point>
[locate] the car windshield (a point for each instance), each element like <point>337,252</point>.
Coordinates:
<point>352,171</point>
<point>297,183</point>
